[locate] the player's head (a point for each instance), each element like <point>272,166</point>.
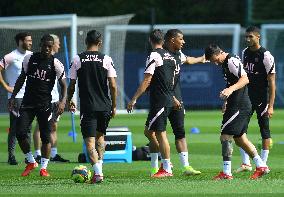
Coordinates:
<point>174,39</point>
<point>252,36</point>
<point>56,45</point>
<point>24,40</point>
<point>93,38</point>
<point>46,45</point>
<point>214,54</point>
<point>156,37</point>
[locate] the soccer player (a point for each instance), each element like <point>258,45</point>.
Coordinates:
<point>159,78</point>
<point>236,110</point>
<point>260,67</point>
<point>96,78</point>
<point>11,64</point>
<point>54,156</point>
<point>40,69</point>
<point>173,44</point>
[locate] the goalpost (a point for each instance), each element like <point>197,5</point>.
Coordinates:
<point>200,35</point>
<point>272,38</point>
<point>70,25</point>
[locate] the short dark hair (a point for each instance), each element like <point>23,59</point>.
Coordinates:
<point>21,36</point>
<point>172,33</point>
<point>253,29</point>
<point>93,37</point>
<point>212,49</point>
<point>46,38</point>
<point>157,36</point>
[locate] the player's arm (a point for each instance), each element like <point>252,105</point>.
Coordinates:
<point>271,93</point>
<point>113,94</point>
<point>75,65</point>
<point>141,89</point>
<point>63,89</point>
<point>60,74</point>
<point>195,60</point>
<point>236,67</point>
<point>243,80</point>
<point>71,90</point>
<point>269,64</point>
<point>2,81</point>
<point>19,84</point>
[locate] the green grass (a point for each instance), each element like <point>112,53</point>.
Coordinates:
<point>133,179</point>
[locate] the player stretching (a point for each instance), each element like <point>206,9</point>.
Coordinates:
<point>260,67</point>
<point>236,110</point>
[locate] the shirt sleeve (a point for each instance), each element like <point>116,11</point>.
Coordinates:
<point>26,62</point>
<point>75,65</point>
<point>59,69</point>
<point>6,61</point>
<point>108,64</point>
<point>236,67</point>
<point>268,61</point>
<point>153,61</point>
<point>182,57</point>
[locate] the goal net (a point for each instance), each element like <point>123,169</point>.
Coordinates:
<point>272,38</point>
<point>74,28</point>
<point>201,83</point>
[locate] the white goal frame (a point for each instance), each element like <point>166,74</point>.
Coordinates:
<point>187,29</point>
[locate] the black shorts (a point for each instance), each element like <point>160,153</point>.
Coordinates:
<point>235,122</point>
<point>27,115</point>
<point>157,119</point>
<point>91,122</point>
<point>176,118</point>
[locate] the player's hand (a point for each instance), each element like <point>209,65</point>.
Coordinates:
<point>270,111</point>
<point>11,104</point>
<point>113,112</point>
<point>61,106</point>
<point>224,94</point>
<point>177,104</point>
<point>72,107</point>
<point>130,106</point>
<point>9,89</point>
<point>224,107</point>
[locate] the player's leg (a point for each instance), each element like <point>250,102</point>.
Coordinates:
<point>89,122</point>
<point>263,122</point>
<point>158,124</point>
<point>54,156</point>
<point>12,140</point>
<point>246,164</point>
<point>176,118</point>
<point>232,125</point>
<point>103,121</point>
<point>37,143</point>
<point>245,144</point>
<point>43,117</point>
<point>23,128</point>
<point>154,150</point>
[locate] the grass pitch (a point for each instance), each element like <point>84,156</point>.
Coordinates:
<point>133,179</point>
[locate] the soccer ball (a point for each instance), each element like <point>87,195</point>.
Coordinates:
<point>81,174</point>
